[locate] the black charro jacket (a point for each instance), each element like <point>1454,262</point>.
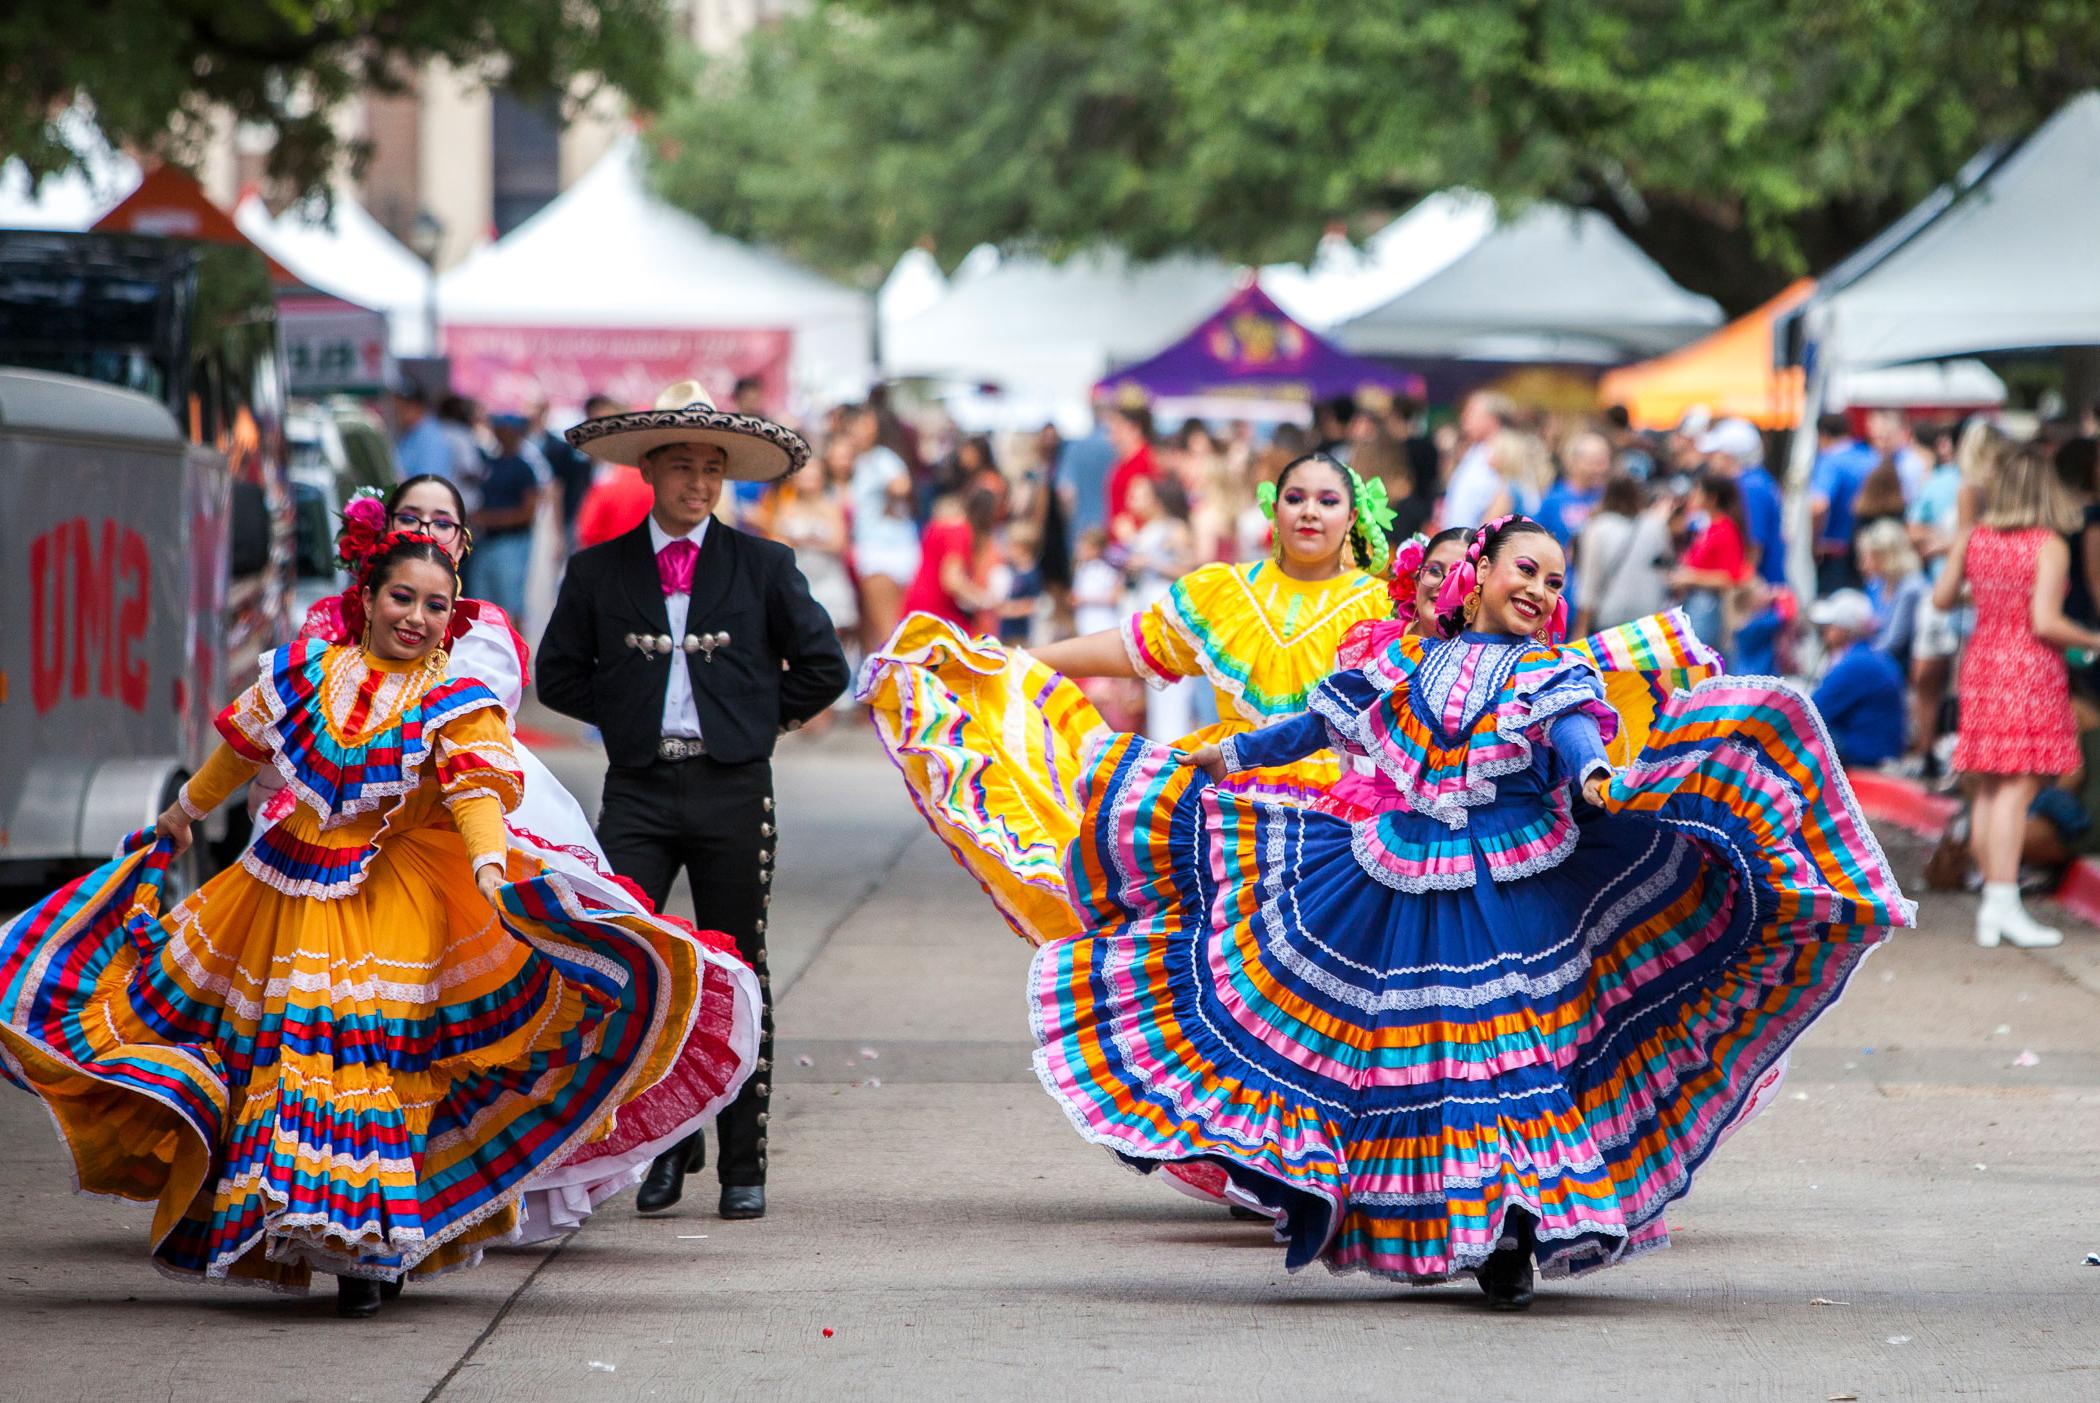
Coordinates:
<point>781,666</point>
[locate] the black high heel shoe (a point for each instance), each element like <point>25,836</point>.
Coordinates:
<point>356,1298</point>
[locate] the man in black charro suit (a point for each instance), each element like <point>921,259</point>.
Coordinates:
<point>691,646</point>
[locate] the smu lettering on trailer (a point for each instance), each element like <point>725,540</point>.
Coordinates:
<point>88,607</point>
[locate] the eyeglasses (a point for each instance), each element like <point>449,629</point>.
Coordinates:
<point>442,528</point>
<point>1434,573</point>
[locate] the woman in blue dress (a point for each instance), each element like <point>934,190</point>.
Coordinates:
<point>1496,1019</point>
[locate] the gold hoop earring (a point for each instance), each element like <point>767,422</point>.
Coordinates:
<point>1472,605</point>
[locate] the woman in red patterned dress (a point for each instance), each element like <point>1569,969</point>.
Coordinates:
<point>2016,722</point>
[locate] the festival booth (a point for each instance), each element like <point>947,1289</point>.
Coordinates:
<point>1553,286</point>
<point>608,289</point>
<point>1999,260</point>
<point>1021,341</point>
<point>331,345</point>
<point>1250,360</point>
<point>342,252</point>
<point>1733,374</point>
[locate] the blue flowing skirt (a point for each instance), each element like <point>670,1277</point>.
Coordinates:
<point>1388,1073</point>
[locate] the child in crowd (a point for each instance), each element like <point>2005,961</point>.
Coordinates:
<point>1024,586</point>
<point>1097,585</point>
<point>1896,585</point>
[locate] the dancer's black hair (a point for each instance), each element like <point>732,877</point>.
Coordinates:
<point>1492,539</point>
<point>398,549</point>
<point>1359,536</point>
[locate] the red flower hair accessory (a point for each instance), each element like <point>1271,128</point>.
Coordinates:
<point>364,529</point>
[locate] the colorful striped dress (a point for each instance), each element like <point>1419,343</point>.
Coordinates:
<point>992,743</point>
<point>1389,1029</point>
<point>336,1056</point>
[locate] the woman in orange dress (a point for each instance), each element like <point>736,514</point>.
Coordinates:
<point>354,1050</point>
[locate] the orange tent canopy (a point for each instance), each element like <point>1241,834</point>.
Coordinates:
<point>170,204</point>
<point>1730,372</point>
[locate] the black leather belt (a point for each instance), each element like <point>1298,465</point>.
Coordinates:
<point>680,747</point>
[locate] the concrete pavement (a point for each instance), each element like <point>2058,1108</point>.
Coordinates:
<point>1908,1221</point>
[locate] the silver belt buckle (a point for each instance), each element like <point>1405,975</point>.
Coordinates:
<point>679,748</point>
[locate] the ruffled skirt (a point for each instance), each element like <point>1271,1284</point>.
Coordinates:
<point>1389,1073</point>
<point>363,1086</point>
<point>992,745</point>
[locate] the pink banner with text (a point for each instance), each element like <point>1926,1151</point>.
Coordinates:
<point>514,368</point>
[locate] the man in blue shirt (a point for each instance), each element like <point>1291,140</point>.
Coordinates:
<point>1861,695</point>
<point>1083,466</point>
<point>1566,507</point>
<point>510,498</point>
<point>1842,464</point>
<point>422,447</point>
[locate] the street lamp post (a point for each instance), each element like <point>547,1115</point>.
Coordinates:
<point>425,238</point>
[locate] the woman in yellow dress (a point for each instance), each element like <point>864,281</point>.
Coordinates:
<point>991,740</point>
<point>353,1051</point>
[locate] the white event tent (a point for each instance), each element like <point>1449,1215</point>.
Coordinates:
<point>1552,284</point>
<point>1346,280</point>
<point>1043,333</point>
<point>915,283</point>
<point>347,253</point>
<point>610,289</point>
<point>2004,260</point>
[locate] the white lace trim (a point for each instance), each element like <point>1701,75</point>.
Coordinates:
<point>1528,708</point>
<point>1230,749</point>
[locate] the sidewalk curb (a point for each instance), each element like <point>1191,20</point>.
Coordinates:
<point>1909,805</point>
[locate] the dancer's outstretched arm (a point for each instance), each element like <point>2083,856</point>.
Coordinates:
<point>1089,655</point>
<point>225,771</point>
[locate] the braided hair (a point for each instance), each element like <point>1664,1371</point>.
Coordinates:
<point>1359,539</point>
<point>1485,550</point>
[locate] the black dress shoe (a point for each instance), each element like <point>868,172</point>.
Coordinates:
<point>743,1201</point>
<point>664,1184</point>
<point>356,1298</point>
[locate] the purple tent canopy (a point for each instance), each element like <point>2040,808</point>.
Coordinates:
<point>1250,347</point>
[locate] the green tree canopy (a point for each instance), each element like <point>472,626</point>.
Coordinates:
<point>151,70</point>
<point>1738,144</point>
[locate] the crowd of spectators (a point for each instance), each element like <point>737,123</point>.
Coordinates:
<point>1032,537</point>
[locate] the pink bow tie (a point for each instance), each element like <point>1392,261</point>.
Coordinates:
<point>674,566</point>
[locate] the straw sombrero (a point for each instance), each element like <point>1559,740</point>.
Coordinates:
<point>759,450</point>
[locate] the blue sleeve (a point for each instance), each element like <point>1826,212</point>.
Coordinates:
<point>1578,746</point>
<point>1841,690</point>
<point>1819,476</point>
<point>1278,743</point>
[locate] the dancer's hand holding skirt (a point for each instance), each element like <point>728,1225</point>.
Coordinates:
<point>336,1056</point>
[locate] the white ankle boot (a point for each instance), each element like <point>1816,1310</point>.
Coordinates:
<point>2002,918</point>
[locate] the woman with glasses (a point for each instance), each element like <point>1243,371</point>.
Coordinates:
<point>547,824</point>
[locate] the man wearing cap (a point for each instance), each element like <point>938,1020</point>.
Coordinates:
<point>691,646</point>
<point>1861,695</point>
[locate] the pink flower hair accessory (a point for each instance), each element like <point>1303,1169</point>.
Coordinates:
<point>1407,576</point>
